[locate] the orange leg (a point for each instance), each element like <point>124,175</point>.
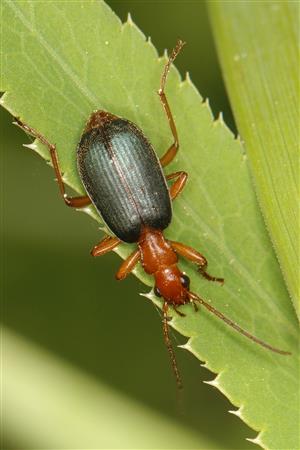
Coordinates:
<point>179,184</point>
<point>169,155</point>
<point>128,265</point>
<point>171,152</point>
<point>75,202</point>
<point>195,257</point>
<point>106,245</point>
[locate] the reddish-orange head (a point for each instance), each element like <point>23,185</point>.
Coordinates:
<point>172,285</point>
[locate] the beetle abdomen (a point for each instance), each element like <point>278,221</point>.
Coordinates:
<point>124,179</point>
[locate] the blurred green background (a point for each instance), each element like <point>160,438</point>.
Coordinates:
<point>58,297</point>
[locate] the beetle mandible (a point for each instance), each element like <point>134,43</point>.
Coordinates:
<point>124,180</point>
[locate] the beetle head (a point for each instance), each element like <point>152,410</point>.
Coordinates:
<point>172,285</point>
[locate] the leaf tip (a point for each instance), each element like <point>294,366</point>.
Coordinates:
<point>213,382</point>
<point>165,54</point>
<point>256,440</point>
<point>148,295</point>
<point>86,210</point>
<point>186,346</point>
<point>237,412</point>
<point>129,19</point>
<point>204,365</point>
<point>187,78</point>
<point>188,84</point>
<point>220,119</point>
<point>206,102</point>
<point>31,146</point>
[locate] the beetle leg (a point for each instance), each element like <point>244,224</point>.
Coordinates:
<point>128,265</point>
<point>171,152</point>
<point>75,202</point>
<point>196,257</point>
<point>179,184</point>
<point>195,306</point>
<point>169,155</point>
<point>181,314</point>
<point>106,245</point>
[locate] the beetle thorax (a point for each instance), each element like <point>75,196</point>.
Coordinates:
<point>156,251</point>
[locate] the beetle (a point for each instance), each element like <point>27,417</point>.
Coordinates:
<point>124,180</point>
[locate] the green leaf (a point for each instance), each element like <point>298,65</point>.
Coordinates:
<point>258,49</point>
<point>58,71</point>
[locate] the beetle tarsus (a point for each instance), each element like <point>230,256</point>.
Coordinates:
<point>209,277</point>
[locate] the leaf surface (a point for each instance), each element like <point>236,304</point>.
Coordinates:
<point>56,73</point>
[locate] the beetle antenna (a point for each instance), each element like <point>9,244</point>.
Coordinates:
<point>234,325</point>
<point>171,59</point>
<point>170,347</point>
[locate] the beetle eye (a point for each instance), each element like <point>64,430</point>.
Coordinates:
<point>157,292</point>
<point>185,281</point>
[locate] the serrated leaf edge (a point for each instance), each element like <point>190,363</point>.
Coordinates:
<point>120,251</point>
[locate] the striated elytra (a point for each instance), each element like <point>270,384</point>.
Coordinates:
<point>123,177</point>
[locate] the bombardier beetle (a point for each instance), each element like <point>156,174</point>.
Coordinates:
<point>124,180</point>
